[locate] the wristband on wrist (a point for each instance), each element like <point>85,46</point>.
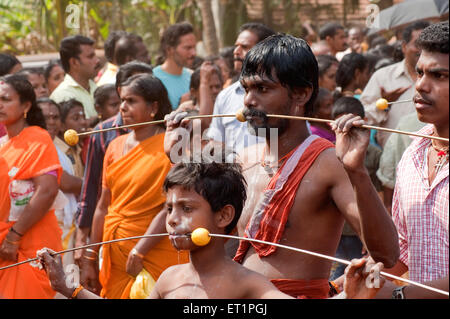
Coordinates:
<point>92,251</point>
<point>15,232</point>
<point>90,258</point>
<point>134,252</point>
<point>12,242</point>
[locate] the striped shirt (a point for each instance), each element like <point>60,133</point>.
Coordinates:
<point>420,212</point>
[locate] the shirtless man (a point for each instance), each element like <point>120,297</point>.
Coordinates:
<point>280,76</point>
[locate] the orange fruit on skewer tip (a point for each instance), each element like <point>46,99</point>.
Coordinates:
<point>382,104</point>
<point>200,237</point>
<point>240,116</point>
<point>71,137</point>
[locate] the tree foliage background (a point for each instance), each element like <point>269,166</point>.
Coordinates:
<point>37,26</point>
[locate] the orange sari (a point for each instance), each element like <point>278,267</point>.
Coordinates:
<point>31,154</point>
<point>135,181</point>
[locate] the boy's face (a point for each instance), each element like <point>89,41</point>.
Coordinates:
<point>186,211</point>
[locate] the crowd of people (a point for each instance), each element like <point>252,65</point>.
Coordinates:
<point>334,189</point>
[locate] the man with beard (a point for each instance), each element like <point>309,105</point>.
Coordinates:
<point>421,203</point>
<point>227,130</point>
<point>178,50</point>
<point>302,199</point>
<point>81,64</point>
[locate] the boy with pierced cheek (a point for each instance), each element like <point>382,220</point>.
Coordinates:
<point>194,201</point>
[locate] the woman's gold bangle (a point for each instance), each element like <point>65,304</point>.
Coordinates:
<point>92,251</point>
<point>90,258</point>
<point>12,242</point>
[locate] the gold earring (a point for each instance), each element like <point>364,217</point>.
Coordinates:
<point>25,115</point>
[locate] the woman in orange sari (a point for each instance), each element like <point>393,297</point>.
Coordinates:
<point>29,177</point>
<point>134,170</point>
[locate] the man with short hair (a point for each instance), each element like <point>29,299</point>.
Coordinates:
<point>420,207</point>
<point>298,192</point>
<point>394,83</point>
<point>126,47</point>
<point>233,133</point>
<point>110,71</point>
<point>333,34</point>
<point>81,64</point>
<point>178,49</point>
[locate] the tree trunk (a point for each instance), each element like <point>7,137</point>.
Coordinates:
<point>209,28</point>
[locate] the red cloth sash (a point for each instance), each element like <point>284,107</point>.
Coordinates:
<point>269,219</point>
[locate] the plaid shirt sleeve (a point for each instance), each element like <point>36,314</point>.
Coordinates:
<point>399,221</point>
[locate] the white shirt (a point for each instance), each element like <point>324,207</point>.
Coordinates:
<point>229,130</point>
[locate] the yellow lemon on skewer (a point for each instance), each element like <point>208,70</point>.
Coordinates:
<point>240,116</point>
<point>382,104</point>
<point>71,137</point>
<point>200,237</point>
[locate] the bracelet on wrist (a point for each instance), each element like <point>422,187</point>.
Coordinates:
<point>15,232</point>
<point>91,251</point>
<point>76,292</point>
<point>134,252</point>
<point>12,242</point>
<point>90,258</point>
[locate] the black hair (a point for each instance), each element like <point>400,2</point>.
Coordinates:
<point>291,60</point>
<point>151,89</point>
<point>227,54</point>
<point>434,38</point>
<point>347,67</point>
<point>65,107</point>
<point>7,63</point>
<point>372,60</point>
<point>47,100</point>
<point>407,32</point>
<point>198,60</point>
<point>324,62</point>
<point>329,30</point>
<point>398,55</point>
<point>110,44</point>
<point>377,40</point>
<point>383,63</point>
<point>171,36</point>
<point>321,94</point>
<point>131,68</point>
<point>385,50</point>
<point>125,48</point>
<point>49,67</point>
<point>102,94</point>
<point>71,48</point>
<point>28,71</point>
<point>25,90</point>
<point>347,105</point>
<point>260,30</point>
<point>220,184</point>
<point>195,79</point>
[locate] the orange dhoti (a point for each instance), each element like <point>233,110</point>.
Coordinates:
<point>135,181</point>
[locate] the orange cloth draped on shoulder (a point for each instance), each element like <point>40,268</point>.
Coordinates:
<point>30,154</point>
<point>269,219</point>
<point>135,181</point>
<point>303,289</point>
